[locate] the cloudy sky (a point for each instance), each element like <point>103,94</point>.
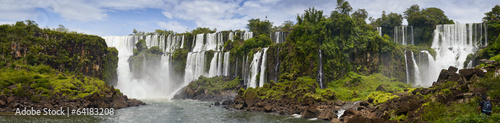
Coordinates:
<point>120,17</point>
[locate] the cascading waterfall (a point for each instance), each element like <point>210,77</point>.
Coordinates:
<point>254,69</point>
<point>226,64</point>
<point>156,77</point>
<point>379,30</point>
<point>407,71</point>
<point>452,43</point>
<point>263,68</point>
<point>416,72</point>
<point>155,70</point>
<point>247,35</point>
<point>402,35</point>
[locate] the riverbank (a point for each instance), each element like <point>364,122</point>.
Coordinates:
<point>459,91</point>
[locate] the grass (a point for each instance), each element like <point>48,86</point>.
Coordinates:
<point>358,87</point>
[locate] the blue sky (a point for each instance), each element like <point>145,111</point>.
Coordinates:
<point>120,17</point>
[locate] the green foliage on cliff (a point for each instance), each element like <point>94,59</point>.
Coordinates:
<point>388,22</point>
<point>180,58</point>
<point>25,43</point>
<point>424,22</point>
<point>346,47</point>
<point>294,90</point>
<point>215,85</point>
<point>242,48</point>
<point>259,27</point>
<point>110,73</point>
<point>41,80</point>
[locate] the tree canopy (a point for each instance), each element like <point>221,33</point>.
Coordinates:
<point>493,15</point>
<point>388,22</point>
<point>259,27</point>
<point>424,22</point>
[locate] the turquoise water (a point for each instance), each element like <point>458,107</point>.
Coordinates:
<point>175,111</point>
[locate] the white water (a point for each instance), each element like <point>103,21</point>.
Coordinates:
<point>254,69</point>
<point>156,70</point>
<point>263,68</point>
<point>402,35</point>
<point>247,35</point>
<point>452,43</point>
<point>226,64</point>
<point>416,72</point>
<point>379,30</point>
<point>407,71</point>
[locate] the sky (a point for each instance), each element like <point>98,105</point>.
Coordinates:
<point>120,17</point>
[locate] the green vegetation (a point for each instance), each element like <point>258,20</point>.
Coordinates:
<point>358,87</point>
<point>41,80</point>
<point>492,51</point>
<point>24,43</point>
<point>215,85</point>
<point>388,22</point>
<point>259,27</point>
<point>424,21</point>
<point>43,63</point>
<point>296,90</point>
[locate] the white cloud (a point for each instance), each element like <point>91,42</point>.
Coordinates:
<point>224,14</point>
<point>173,25</point>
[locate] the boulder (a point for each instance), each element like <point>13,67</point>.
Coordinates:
<point>268,108</point>
<point>227,102</point>
<point>216,103</point>
<point>238,106</point>
<point>10,99</point>
<point>251,97</point>
<point>452,69</point>
<point>310,112</point>
<point>327,115</point>
<point>468,73</point>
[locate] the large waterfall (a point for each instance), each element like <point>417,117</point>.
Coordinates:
<point>153,76</point>
<point>257,67</point>
<point>452,43</point>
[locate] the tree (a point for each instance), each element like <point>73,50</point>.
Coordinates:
<point>135,31</point>
<point>493,15</point>
<point>311,16</point>
<point>424,22</point>
<point>359,16</point>
<point>259,27</point>
<point>388,22</point>
<point>343,7</point>
<point>61,28</point>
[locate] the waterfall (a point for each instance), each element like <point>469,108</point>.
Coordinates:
<point>277,36</point>
<point>407,71</point>
<point>416,72</point>
<point>153,76</point>
<point>320,67</point>
<point>429,72</point>
<point>226,64</point>
<point>402,35</point>
<point>198,43</point>
<point>195,66</point>
<point>213,66</point>
<point>231,36</point>
<point>452,43</point>
<point>247,35</point>
<point>379,30</point>
<point>263,68</point>
<point>156,70</point>
<point>254,69</point>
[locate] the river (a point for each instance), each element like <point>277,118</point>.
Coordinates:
<point>169,111</point>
